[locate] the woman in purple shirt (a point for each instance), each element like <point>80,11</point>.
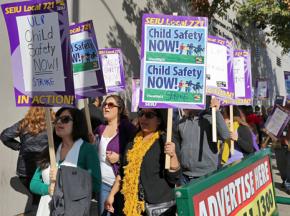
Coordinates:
<point>111,140</point>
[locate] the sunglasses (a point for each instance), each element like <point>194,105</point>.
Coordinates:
<point>148,115</point>
<point>110,105</point>
<point>63,119</point>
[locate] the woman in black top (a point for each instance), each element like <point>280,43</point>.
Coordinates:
<point>145,182</point>
<point>31,131</point>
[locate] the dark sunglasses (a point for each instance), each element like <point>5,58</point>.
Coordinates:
<point>148,115</point>
<point>62,119</point>
<point>110,105</point>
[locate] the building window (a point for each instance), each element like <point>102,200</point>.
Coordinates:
<point>278,62</point>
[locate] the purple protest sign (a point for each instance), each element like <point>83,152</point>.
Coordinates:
<point>40,52</point>
<point>113,69</point>
<point>287,84</point>
<point>242,77</point>
<point>87,70</point>
<point>173,59</point>
<point>262,92</point>
<point>219,72</point>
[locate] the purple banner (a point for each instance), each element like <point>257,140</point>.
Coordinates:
<point>242,77</point>
<point>113,69</point>
<point>220,74</point>
<point>40,52</point>
<point>173,59</point>
<point>87,70</point>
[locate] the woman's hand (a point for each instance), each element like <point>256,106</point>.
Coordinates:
<point>112,157</point>
<point>169,149</point>
<point>52,174</point>
<point>92,138</point>
<point>215,103</point>
<point>234,136</point>
<point>108,205</point>
<point>52,179</point>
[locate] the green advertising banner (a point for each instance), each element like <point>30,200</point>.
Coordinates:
<point>245,189</point>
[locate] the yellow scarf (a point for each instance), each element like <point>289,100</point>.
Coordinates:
<point>227,145</point>
<point>132,206</point>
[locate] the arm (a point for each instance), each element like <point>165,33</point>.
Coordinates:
<point>115,188</point>
<point>221,125</point>
<point>245,141</point>
<point>8,137</point>
<point>93,166</point>
<point>172,175</point>
<point>222,129</point>
<point>37,186</point>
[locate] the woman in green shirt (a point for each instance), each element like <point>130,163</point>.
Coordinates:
<point>74,150</point>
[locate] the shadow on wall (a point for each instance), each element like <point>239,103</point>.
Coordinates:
<point>131,44</point>
<point>17,185</point>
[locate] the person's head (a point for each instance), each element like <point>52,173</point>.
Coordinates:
<point>190,113</point>
<point>151,120</point>
<point>97,101</point>
<point>34,121</point>
<point>114,108</point>
<point>71,122</point>
<point>257,109</point>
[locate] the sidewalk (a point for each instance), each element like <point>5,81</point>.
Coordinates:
<point>284,210</point>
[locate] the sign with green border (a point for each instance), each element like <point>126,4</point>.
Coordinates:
<point>245,189</point>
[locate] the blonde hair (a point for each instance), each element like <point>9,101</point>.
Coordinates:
<point>34,121</point>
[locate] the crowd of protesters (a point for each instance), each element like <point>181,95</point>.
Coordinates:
<point>126,161</point>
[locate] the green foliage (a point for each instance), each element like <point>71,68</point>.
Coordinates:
<point>204,8</point>
<point>273,16</point>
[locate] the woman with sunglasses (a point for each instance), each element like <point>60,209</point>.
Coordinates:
<point>74,150</point>
<point>146,185</point>
<point>111,140</point>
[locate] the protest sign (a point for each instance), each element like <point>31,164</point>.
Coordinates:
<point>113,69</point>
<point>242,77</point>
<point>135,95</point>
<point>287,84</point>
<point>245,188</point>
<point>279,100</point>
<point>277,121</point>
<point>219,71</point>
<point>87,72</point>
<point>262,89</point>
<point>173,56</point>
<point>40,52</point>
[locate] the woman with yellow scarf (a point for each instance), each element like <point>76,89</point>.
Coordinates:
<point>146,186</point>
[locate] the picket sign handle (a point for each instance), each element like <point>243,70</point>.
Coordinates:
<point>50,137</point>
<point>168,135</point>
<point>266,141</point>
<point>169,126</point>
<point>213,115</point>
<point>88,118</point>
<point>232,128</point>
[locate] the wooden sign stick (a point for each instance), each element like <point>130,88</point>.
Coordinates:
<point>169,127</point>
<point>232,128</point>
<point>88,118</point>
<point>214,132</point>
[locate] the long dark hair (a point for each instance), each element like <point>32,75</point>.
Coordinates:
<point>162,116</point>
<point>122,111</point>
<point>80,128</point>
